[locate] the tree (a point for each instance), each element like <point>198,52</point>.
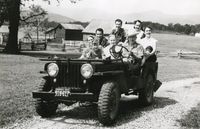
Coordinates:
<point>10,9</point>
<point>171,26</point>
<point>187,29</point>
<point>3,12</point>
<point>13,8</point>
<point>34,18</point>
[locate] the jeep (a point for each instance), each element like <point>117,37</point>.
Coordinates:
<point>99,81</point>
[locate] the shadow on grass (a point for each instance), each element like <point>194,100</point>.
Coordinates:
<point>130,109</point>
<point>45,54</point>
<point>191,119</point>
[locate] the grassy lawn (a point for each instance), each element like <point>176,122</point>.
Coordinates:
<point>20,75</point>
<point>171,43</point>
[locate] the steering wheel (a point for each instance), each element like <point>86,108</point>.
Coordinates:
<point>117,50</point>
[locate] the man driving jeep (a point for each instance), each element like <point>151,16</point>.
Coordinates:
<point>134,55</point>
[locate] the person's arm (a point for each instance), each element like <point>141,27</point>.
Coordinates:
<point>154,47</point>
<point>124,36</point>
<point>140,53</point>
<point>139,37</point>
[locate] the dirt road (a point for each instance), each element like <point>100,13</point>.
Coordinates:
<point>173,101</point>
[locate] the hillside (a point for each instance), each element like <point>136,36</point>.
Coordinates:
<point>154,16</point>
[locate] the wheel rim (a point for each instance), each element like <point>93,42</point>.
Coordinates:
<point>114,102</point>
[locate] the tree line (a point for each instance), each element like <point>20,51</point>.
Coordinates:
<point>183,29</point>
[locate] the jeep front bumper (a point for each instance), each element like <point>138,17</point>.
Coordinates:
<point>63,97</point>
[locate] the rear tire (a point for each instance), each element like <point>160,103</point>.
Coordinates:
<point>45,108</point>
<point>146,95</point>
<point>108,104</point>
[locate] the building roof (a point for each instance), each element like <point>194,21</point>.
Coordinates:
<point>4,29</point>
<point>66,26</point>
<point>106,25</point>
<point>49,30</point>
<point>71,26</point>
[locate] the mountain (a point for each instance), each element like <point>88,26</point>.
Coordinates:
<point>59,18</point>
<point>154,16</point>
<point>163,18</point>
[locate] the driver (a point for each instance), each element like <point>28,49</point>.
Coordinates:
<point>134,55</point>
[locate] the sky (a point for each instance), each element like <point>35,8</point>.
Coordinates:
<point>172,7</point>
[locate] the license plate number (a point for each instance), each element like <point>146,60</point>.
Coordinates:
<point>63,93</point>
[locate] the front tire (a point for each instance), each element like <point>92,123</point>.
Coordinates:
<point>108,104</point>
<point>146,95</point>
<point>45,108</point>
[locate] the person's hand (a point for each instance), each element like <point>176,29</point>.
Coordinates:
<point>120,43</point>
<point>147,54</point>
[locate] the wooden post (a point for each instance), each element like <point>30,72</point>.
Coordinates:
<point>179,54</point>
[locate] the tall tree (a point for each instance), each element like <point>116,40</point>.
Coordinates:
<point>13,8</point>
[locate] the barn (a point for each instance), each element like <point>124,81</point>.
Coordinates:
<point>67,32</point>
<point>106,25</point>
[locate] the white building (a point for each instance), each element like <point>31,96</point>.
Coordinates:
<point>197,35</point>
<point>3,33</point>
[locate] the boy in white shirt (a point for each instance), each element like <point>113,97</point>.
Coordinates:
<point>106,50</point>
<point>137,30</point>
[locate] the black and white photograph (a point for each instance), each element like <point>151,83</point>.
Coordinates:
<point>99,64</point>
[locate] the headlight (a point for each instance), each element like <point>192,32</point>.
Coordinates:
<point>86,70</point>
<point>52,69</point>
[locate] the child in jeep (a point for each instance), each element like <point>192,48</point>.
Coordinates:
<point>94,51</point>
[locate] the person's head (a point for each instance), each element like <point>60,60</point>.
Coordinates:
<point>99,33</point>
<point>118,23</point>
<point>132,40</point>
<point>112,39</point>
<point>149,49</point>
<point>90,40</point>
<point>137,25</point>
<point>147,31</point>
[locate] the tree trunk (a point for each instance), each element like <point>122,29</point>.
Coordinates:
<point>13,17</point>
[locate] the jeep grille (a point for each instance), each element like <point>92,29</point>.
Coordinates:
<point>69,75</point>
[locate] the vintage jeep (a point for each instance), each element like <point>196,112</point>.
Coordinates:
<point>94,80</point>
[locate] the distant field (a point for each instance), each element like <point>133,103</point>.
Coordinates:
<point>171,43</point>
<point>20,75</point>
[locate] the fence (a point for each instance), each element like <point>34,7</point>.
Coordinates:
<point>183,54</point>
<point>41,45</point>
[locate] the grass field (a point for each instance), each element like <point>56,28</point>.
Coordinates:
<point>20,75</point>
<point>171,43</point>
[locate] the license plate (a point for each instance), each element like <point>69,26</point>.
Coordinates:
<point>64,93</point>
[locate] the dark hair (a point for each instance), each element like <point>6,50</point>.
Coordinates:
<point>99,29</point>
<point>118,20</point>
<point>141,26</point>
<point>137,21</point>
<point>149,48</point>
<point>148,27</point>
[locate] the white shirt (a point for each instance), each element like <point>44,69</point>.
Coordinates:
<point>106,52</point>
<point>145,42</point>
<point>138,34</point>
